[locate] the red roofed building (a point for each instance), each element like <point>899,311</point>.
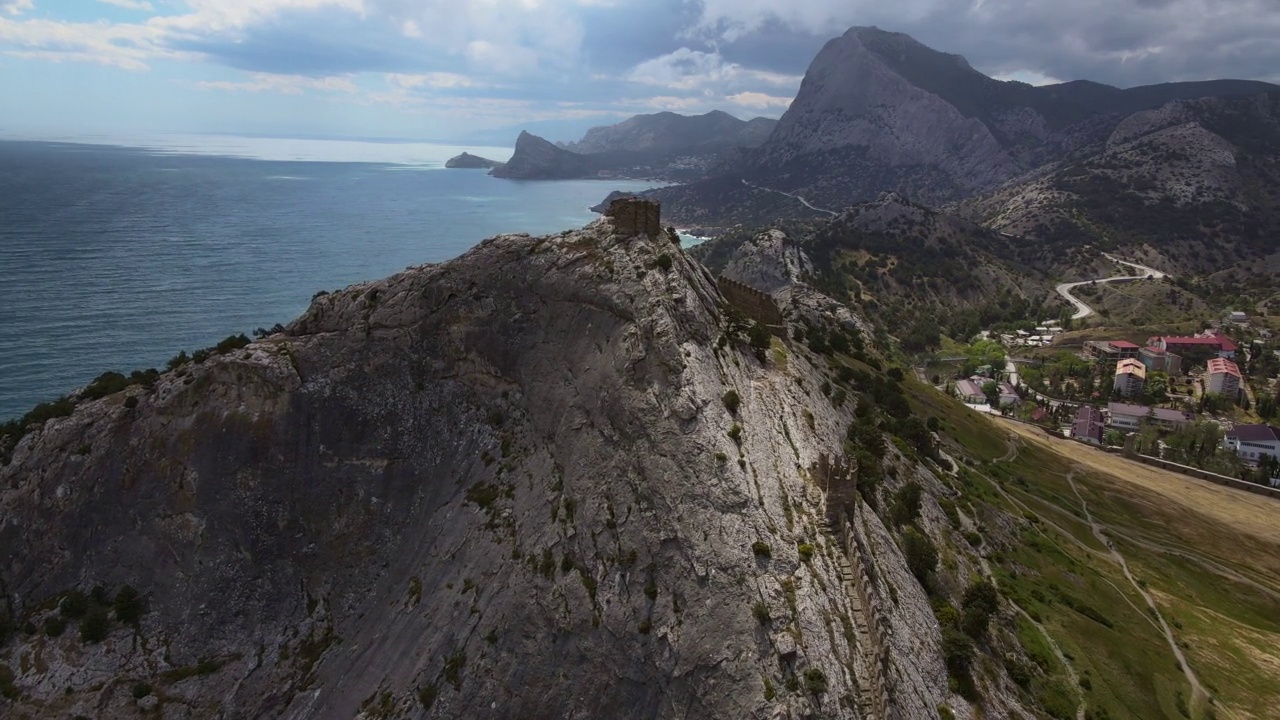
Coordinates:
<point>1223,378</point>
<point>1209,341</point>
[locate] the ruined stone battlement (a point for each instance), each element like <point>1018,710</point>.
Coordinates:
<point>754,304</point>
<point>635,216</point>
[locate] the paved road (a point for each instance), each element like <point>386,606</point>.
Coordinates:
<point>804,202</point>
<point>1084,311</point>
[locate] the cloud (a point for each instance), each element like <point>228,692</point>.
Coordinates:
<point>127,46</point>
<point>430,80</point>
<point>1122,42</point>
<point>15,7</point>
<point>130,4</point>
<point>286,84</point>
<point>687,69</point>
<point>759,101</point>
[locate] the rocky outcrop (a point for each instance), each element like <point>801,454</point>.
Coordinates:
<point>537,159</point>
<point>467,161</point>
<point>503,486</point>
<point>668,132</point>
<point>851,99</point>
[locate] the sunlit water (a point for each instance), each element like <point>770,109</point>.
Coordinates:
<point>115,258</point>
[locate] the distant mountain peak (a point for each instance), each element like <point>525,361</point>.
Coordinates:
<point>668,132</point>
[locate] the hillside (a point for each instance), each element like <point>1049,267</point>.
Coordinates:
<point>1192,188</point>
<point>898,262</point>
<point>669,132</point>
<point>488,488</point>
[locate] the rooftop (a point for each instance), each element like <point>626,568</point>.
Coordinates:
<point>1129,366</point>
<point>1123,345</point>
<point>1219,365</point>
<point>1255,433</point>
<point>1162,414</point>
<point>1219,341</point>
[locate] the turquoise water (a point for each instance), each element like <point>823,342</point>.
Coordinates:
<point>115,258</point>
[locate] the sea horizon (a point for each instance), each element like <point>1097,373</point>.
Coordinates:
<point>118,256</point>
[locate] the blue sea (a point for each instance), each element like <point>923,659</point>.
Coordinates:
<point>116,257</point>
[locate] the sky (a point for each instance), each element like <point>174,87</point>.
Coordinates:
<point>468,70</point>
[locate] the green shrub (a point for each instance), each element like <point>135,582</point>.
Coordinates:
<point>906,504</point>
<point>95,626</point>
<point>921,555</point>
<point>129,606</point>
<point>427,695</point>
<point>54,626</point>
<point>806,552</point>
<point>735,434</point>
<point>759,336</point>
<point>981,600</point>
<point>761,549</point>
<point>7,689</point>
<point>453,666</point>
<point>141,690</point>
<point>73,605</point>
<point>761,613</point>
<point>663,262</point>
<point>231,342</point>
<point>645,626</point>
<point>1019,673</point>
<point>721,458</point>
<point>769,692</point>
<point>731,401</point>
<point>815,681</point>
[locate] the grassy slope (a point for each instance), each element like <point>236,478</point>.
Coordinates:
<point>1209,556</point>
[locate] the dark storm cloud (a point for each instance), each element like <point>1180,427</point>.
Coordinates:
<point>1121,42</point>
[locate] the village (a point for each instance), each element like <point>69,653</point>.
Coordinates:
<point>1208,399</point>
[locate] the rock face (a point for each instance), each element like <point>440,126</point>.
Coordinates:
<point>878,111</point>
<point>1190,186</point>
<point>538,159</point>
<point>467,161</point>
<point>503,486</point>
<point>669,132</point>
<point>851,100</point>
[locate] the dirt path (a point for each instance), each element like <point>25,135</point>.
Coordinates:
<point>1198,693</point>
<point>1254,515</point>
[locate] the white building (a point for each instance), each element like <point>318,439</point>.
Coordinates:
<point>1251,442</point>
<point>1223,378</point>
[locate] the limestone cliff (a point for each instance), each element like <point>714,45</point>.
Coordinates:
<point>510,485</point>
<point>537,159</point>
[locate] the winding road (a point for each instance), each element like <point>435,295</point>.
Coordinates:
<point>793,196</point>
<point>1084,311</point>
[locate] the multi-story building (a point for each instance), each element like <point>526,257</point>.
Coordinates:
<point>1131,376</point>
<point>1088,425</point>
<point>1223,378</point>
